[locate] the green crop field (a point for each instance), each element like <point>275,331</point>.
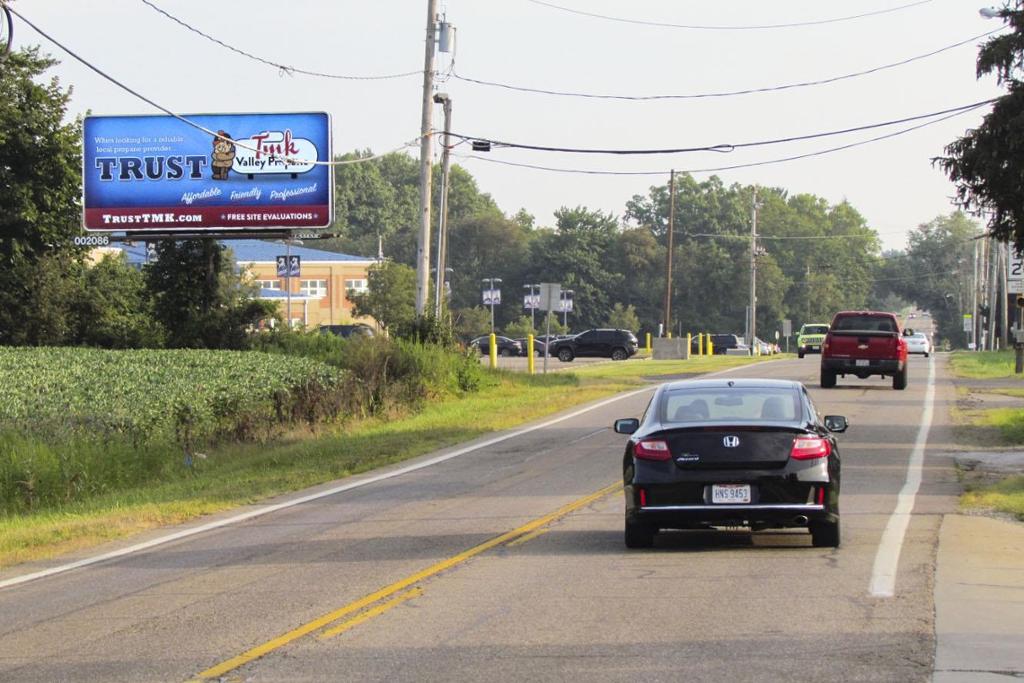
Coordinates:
<point>77,422</point>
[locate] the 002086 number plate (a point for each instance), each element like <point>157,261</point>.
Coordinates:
<point>730,493</point>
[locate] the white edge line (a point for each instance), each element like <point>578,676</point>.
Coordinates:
<point>887,559</point>
<point>259,512</point>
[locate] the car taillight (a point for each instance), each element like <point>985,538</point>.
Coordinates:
<point>652,450</point>
<point>810,447</point>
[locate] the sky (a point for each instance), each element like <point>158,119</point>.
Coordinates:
<point>534,44</point>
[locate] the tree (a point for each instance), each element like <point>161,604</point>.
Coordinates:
<point>199,298</point>
<point>623,318</point>
<point>112,308</point>
<point>987,164</point>
<point>389,298</point>
<point>40,176</point>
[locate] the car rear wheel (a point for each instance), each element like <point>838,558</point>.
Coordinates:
<point>828,378</point>
<point>565,355</point>
<point>619,354</point>
<point>899,380</point>
<point>639,534</point>
<point>825,534</point>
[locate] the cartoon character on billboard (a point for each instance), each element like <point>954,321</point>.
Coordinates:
<point>223,155</point>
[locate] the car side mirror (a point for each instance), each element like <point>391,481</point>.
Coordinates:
<point>836,423</point>
<point>627,425</point>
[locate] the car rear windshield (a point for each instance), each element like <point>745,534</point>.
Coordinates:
<point>867,323</point>
<point>816,329</point>
<point>730,404</point>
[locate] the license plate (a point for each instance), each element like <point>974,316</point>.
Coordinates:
<point>730,493</point>
<point>863,362</point>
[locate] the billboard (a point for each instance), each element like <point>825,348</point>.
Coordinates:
<point>158,173</point>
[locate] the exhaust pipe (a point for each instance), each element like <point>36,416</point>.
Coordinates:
<point>800,520</point>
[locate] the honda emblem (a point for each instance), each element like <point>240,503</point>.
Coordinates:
<point>731,441</point>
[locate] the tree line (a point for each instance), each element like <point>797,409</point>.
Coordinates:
<point>817,257</point>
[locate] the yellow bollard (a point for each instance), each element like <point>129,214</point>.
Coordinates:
<point>494,351</point>
<point>648,342</point>
<point>689,340</point>
<point>529,353</point>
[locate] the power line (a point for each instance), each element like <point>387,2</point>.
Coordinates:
<point>727,93</point>
<point>821,152</point>
<point>181,118</point>
<point>282,68</point>
<point>641,22</point>
<point>724,147</point>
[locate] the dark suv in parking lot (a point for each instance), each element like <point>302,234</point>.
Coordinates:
<point>601,343</point>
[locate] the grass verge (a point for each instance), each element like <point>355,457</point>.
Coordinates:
<point>990,427</point>
<point>1006,496</point>
<point>245,473</point>
<point>983,364</point>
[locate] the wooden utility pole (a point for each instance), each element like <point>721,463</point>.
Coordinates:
<point>426,123</point>
<point>668,257</point>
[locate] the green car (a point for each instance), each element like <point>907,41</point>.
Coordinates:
<point>809,339</point>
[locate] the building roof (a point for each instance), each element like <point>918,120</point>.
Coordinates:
<point>257,251</point>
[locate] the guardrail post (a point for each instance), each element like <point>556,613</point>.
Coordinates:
<point>493,341</point>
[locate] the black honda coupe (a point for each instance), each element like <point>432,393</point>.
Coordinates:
<point>731,452</point>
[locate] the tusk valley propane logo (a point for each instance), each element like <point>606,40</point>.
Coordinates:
<point>235,171</point>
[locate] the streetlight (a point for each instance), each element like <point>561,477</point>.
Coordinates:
<point>566,305</point>
<point>532,304</point>
<point>442,223</point>
<point>492,295</point>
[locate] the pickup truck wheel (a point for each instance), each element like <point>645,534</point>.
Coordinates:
<point>565,355</point>
<point>619,354</point>
<point>899,380</point>
<point>639,534</point>
<point>825,534</point>
<point>828,378</point>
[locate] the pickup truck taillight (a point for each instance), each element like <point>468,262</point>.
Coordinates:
<point>652,449</point>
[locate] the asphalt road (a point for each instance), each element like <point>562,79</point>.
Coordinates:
<point>376,584</point>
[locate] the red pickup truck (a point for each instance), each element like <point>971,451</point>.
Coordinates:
<point>864,343</point>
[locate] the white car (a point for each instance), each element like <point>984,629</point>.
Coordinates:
<point>919,343</point>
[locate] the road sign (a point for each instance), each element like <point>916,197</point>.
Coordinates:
<point>550,296</point>
<point>289,266</point>
<point>1015,273</point>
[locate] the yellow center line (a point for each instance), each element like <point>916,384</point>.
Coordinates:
<point>371,613</point>
<point>528,537</point>
<point>398,586</point>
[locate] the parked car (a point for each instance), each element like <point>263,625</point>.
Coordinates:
<point>601,343</point>
<point>346,331</point>
<point>731,452</point>
<point>917,342</point>
<point>506,346</point>
<point>720,343</point>
<point>809,338</point>
<point>864,343</point>
<point>538,346</point>
<point>763,348</point>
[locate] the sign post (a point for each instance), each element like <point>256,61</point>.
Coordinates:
<point>550,298</point>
